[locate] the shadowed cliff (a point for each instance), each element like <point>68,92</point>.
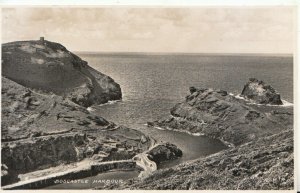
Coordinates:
<point>51,68</point>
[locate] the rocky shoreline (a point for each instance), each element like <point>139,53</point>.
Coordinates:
<point>217,114</point>
<point>58,131</point>
<point>260,138</point>
<point>45,122</point>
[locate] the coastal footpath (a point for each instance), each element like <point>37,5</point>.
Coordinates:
<point>156,154</point>
<point>256,126</point>
<point>46,90</point>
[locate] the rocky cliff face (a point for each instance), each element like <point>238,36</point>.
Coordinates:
<point>41,131</point>
<point>217,114</point>
<point>45,123</point>
<point>51,68</point>
<point>260,92</point>
<point>42,152</point>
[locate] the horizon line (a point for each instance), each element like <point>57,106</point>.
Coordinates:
<point>175,53</point>
<point>187,53</point>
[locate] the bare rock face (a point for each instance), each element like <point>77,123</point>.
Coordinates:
<point>164,152</point>
<point>50,67</point>
<point>261,93</point>
<point>39,153</point>
<point>40,130</point>
<point>217,114</point>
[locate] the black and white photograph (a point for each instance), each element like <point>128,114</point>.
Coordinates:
<point>148,98</point>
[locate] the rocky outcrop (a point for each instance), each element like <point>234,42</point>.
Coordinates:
<point>45,130</point>
<point>263,164</point>
<point>261,93</point>
<point>164,152</point>
<point>27,113</point>
<point>49,67</point>
<point>42,152</point>
<point>217,114</point>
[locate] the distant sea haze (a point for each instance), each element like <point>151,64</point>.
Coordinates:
<point>183,53</point>
<point>170,75</point>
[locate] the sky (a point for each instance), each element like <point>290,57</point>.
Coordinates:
<point>129,29</point>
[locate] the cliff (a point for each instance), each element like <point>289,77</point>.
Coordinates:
<point>260,140</point>
<point>41,130</point>
<point>45,123</point>
<point>218,114</point>
<point>49,67</point>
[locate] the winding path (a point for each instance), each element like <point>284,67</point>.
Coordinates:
<point>144,162</point>
<point>141,160</point>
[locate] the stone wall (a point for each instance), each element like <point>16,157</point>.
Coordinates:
<point>42,152</point>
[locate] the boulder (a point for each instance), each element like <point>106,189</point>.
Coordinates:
<point>164,152</point>
<point>261,93</point>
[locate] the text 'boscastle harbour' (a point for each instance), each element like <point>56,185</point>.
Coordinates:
<point>80,181</point>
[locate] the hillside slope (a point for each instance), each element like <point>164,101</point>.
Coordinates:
<point>265,164</point>
<point>51,68</point>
